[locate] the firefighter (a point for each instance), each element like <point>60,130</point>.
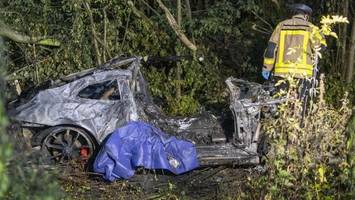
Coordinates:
<point>290,49</point>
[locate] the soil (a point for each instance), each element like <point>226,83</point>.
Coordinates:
<point>223,182</point>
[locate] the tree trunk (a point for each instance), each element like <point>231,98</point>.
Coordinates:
<point>189,16</point>
<point>178,69</point>
<point>200,4</point>
<point>207,3</point>
<point>344,35</point>
<point>93,32</point>
<point>350,68</point>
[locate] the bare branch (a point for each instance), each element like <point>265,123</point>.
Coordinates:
<point>263,20</point>
<point>94,36</point>
<point>189,16</point>
<point>150,7</point>
<point>13,35</point>
<point>138,13</point>
<point>105,35</point>
<point>172,22</point>
<point>261,29</point>
<point>276,2</point>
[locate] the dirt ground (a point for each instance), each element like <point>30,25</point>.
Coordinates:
<point>223,182</point>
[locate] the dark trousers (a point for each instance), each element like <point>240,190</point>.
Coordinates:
<point>304,86</point>
<point>304,94</point>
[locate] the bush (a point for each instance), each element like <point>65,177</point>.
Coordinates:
<point>5,155</point>
<point>336,87</point>
<point>19,179</point>
<point>310,162</point>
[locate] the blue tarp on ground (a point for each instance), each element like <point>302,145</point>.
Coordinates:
<point>140,144</point>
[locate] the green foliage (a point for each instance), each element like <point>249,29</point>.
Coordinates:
<point>218,20</point>
<point>309,162</point>
<point>351,148</point>
<point>336,87</point>
<point>18,178</point>
<point>32,183</point>
<point>309,156</point>
<point>5,155</point>
<point>5,146</point>
<point>69,22</point>
<point>185,106</point>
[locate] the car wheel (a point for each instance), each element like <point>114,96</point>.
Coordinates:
<point>64,143</point>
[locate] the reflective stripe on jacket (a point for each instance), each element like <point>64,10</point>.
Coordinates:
<point>290,48</point>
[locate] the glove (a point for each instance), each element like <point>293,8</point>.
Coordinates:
<point>266,74</point>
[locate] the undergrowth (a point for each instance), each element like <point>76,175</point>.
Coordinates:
<point>310,162</point>
<point>20,176</point>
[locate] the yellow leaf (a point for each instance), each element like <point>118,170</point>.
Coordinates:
<point>49,42</point>
<point>280,82</point>
<point>333,34</point>
<point>319,55</point>
<point>145,58</point>
<point>321,172</point>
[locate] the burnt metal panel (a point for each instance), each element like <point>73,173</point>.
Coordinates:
<point>62,105</point>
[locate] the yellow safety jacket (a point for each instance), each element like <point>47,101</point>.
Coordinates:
<point>290,49</point>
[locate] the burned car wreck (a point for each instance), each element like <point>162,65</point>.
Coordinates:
<point>77,113</point>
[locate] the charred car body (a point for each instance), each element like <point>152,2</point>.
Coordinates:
<point>75,114</point>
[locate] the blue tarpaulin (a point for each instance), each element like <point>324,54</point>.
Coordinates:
<point>140,144</point>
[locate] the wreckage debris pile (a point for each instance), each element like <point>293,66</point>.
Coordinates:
<point>139,144</point>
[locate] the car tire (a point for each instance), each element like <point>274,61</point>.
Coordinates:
<point>64,143</point>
